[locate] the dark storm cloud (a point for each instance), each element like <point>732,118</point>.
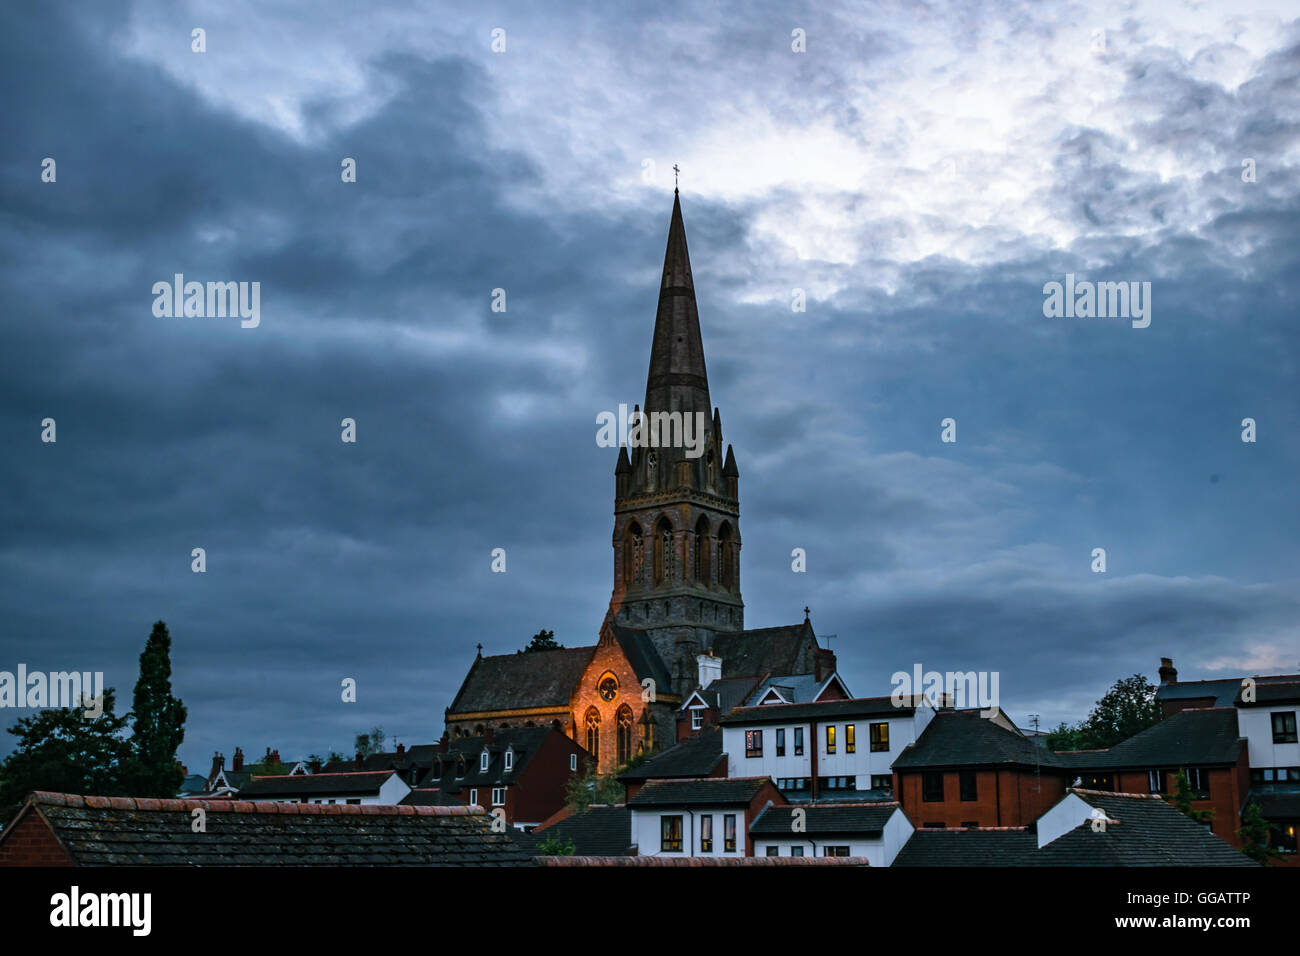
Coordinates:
<point>476,429</point>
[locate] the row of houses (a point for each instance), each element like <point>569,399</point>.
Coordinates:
<point>796,766</point>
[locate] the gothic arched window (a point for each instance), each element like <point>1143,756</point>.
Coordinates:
<point>633,553</point>
<point>726,558</point>
<point>663,552</point>
<point>700,551</point>
<point>592,724</point>
<point>624,734</point>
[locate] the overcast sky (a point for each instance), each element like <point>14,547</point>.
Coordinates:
<point>921,171</point>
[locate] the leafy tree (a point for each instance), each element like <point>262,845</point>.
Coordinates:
<point>542,641</point>
<point>1254,836</point>
<point>1183,800</point>
<point>267,768</point>
<point>60,749</point>
<point>554,846</point>
<point>158,720</point>
<point>581,792</point>
<point>371,743</point>
<point>1128,708</point>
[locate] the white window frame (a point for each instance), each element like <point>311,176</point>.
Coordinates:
<point>473,796</point>
<point>498,796</point>
<point>697,718</point>
<point>510,760</point>
<point>573,761</point>
<point>483,761</point>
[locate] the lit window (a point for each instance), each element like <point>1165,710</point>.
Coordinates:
<point>850,738</point>
<point>706,833</point>
<point>836,851</point>
<point>729,833</point>
<point>830,738</point>
<point>753,743</point>
<point>670,834</point>
<point>880,738</point>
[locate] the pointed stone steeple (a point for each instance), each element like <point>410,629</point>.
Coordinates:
<point>676,515</point>
<point>677,380</point>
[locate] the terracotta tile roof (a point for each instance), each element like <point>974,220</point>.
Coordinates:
<point>137,831</point>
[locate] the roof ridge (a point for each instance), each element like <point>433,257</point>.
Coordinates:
<point>1116,793</point>
<point>49,798</point>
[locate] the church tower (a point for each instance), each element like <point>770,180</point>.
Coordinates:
<point>677,517</point>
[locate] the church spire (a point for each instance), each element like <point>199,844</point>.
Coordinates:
<point>677,380</point>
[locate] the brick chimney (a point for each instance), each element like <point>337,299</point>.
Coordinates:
<point>824,664</point>
<point>1168,673</point>
<point>361,761</point>
<point>314,766</point>
<point>218,764</point>
<point>275,756</point>
<point>443,742</point>
<point>237,761</point>
<point>401,751</point>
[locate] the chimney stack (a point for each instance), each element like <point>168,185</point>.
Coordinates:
<point>401,751</point>
<point>710,668</point>
<point>824,663</point>
<point>1168,673</point>
<point>237,761</point>
<point>275,756</point>
<point>314,766</point>
<point>443,741</point>
<point>218,764</point>
<point>361,761</point>
<point>487,736</point>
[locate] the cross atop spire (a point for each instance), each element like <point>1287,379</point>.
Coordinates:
<point>676,170</point>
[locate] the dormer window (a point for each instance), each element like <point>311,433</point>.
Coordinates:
<point>510,760</point>
<point>697,719</point>
<point>483,762</point>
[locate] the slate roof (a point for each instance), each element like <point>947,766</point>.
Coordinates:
<point>962,738</point>
<point>697,756</point>
<point>525,742</point>
<point>839,819</point>
<point>763,650</point>
<point>1141,830</point>
<point>1224,692</point>
<point>517,681</point>
<point>429,797</point>
<point>640,652</point>
<point>726,693</point>
<point>134,831</point>
<point>820,710</point>
<point>1199,737</point>
<point>419,757</point>
<point>1009,846</point>
<point>316,784</point>
<point>1270,692</point>
<point>701,791</point>
<point>597,831</point>
<point>796,688</point>
<point>194,783</point>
